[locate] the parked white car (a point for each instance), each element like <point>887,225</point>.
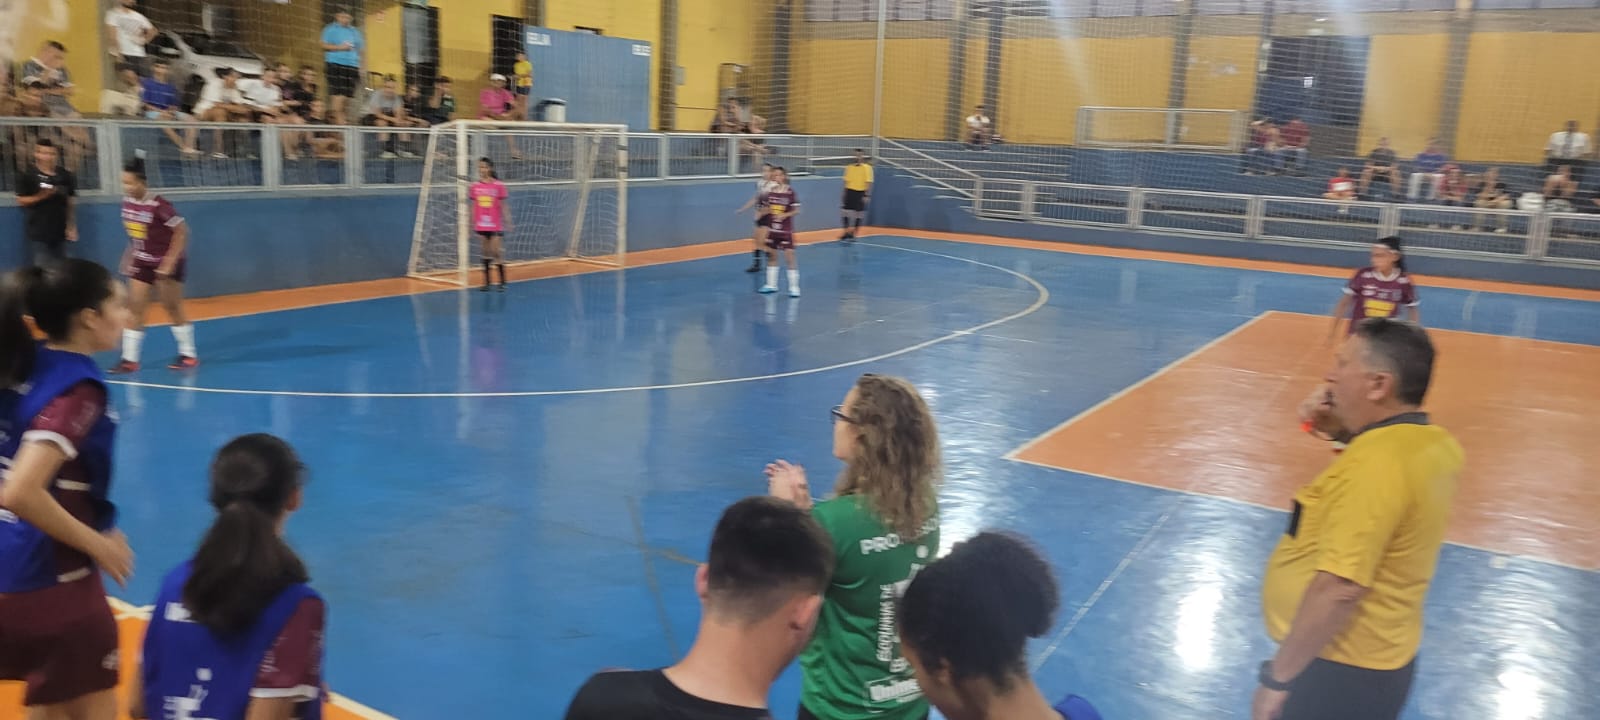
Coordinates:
<point>196,57</point>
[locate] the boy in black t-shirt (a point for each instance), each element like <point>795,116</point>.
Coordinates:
<point>48,194</point>
<point>760,592</point>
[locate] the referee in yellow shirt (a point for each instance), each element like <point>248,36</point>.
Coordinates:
<point>1344,589</point>
<point>857,188</point>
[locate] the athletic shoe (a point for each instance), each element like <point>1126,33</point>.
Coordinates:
<point>124,367</point>
<point>754,268</point>
<point>794,292</point>
<point>483,288</point>
<point>184,362</point>
<point>501,287</point>
<point>768,289</point>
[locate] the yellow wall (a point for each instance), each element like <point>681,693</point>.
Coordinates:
<point>710,33</point>
<point>78,26</point>
<point>1043,82</point>
<point>830,87</point>
<point>1405,82</point>
<point>1519,88</point>
<point>634,19</point>
<point>916,86</point>
<point>1221,75</point>
<point>972,75</point>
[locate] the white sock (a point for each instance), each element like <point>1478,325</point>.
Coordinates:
<point>184,334</point>
<point>131,341</point>
<point>794,279</point>
<point>772,275</point>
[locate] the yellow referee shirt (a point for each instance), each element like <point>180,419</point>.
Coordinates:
<point>1375,517</point>
<point>857,176</point>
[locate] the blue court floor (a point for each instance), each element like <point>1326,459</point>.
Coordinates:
<point>508,491</point>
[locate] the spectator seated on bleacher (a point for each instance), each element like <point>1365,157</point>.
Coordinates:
<point>1342,189</point>
<point>1262,154</point>
<point>1492,195</point>
<point>122,100</point>
<point>980,129</point>
<point>1560,189</point>
<point>1381,163</point>
<point>1296,139</point>
<point>1427,172</point>
<point>161,102</point>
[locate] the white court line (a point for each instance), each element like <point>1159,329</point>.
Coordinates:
<point>1218,340</point>
<point>1039,302</point>
<point>124,609</point>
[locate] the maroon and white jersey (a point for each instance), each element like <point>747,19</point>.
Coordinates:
<point>149,222</point>
<point>779,200</point>
<point>1379,296</point>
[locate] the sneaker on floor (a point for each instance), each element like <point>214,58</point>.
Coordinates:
<point>184,362</point>
<point>501,287</point>
<point>754,268</point>
<point>794,292</point>
<point>387,155</point>
<point>407,154</point>
<point>123,368</point>
<point>768,289</point>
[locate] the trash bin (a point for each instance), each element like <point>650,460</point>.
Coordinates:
<point>552,110</point>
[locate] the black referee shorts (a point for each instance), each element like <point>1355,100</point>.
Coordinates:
<point>1334,691</point>
<point>855,199</point>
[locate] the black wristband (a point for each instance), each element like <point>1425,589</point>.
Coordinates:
<point>1269,682</point>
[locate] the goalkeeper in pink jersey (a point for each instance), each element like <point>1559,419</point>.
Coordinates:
<point>491,219</point>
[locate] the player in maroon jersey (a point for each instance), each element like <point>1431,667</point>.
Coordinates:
<point>158,242</point>
<point>782,203</point>
<point>1381,290</point>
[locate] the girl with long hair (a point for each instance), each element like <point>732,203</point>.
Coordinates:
<point>57,524</point>
<point>237,631</point>
<point>491,219</point>
<point>965,622</point>
<point>884,521</point>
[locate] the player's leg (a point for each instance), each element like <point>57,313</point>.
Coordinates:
<point>758,244</point>
<point>497,249</point>
<point>133,335</point>
<point>171,292</point>
<point>487,254</point>
<point>794,270</point>
<point>771,242</point>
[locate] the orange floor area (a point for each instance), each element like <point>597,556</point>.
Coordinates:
<point>1222,422</point>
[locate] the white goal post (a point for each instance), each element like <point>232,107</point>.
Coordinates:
<point>568,188</point>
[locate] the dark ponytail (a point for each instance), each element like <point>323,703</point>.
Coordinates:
<point>1393,243</point>
<point>242,563</point>
<point>52,298</point>
<point>973,611</point>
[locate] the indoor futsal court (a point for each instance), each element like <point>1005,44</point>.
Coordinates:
<point>509,491</point>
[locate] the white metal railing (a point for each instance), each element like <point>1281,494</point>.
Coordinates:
<point>931,169</point>
<point>1136,128</point>
<point>1429,229</point>
<point>251,157</point>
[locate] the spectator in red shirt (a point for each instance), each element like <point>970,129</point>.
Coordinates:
<point>1295,136</point>
<point>1341,187</point>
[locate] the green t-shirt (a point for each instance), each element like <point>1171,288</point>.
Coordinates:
<point>852,668</point>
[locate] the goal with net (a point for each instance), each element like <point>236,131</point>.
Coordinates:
<point>568,195</point>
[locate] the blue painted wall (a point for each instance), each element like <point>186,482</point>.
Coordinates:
<point>254,243</point>
<point>569,65</point>
<point>898,203</point>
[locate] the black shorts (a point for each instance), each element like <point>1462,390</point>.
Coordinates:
<point>855,199</point>
<point>489,234</point>
<point>763,220</point>
<point>342,79</point>
<point>1334,691</point>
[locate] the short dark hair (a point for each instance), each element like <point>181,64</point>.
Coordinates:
<point>45,142</point>
<point>160,62</point>
<point>57,45</point>
<point>763,552</point>
<point>441,79</point>
<point>1404,349</point>
<point>973,610</point>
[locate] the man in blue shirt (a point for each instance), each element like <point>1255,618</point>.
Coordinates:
<point>161,102</point>
<point>1429,169</point>
<point>344,55</point>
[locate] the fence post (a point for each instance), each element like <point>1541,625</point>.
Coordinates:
<point>109,136</point>
<point>271,157</point>
<point>1389,220</point>
<point>1028,189</point>
<point>1539,226</point>
<point>1255,216</point>
<point>663,159</point>
<point>1135,208</point>
<point>733,155</point>
<point>355,169</point>
<point>977,197</point>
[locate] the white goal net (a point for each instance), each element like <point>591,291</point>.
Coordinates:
<point>567,187</point>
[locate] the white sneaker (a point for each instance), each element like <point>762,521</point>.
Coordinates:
<point>794,292</point>
<point>387,155</point>
<point>768,289</point>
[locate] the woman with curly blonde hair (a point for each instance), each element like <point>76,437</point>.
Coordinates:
<point>884,521</point>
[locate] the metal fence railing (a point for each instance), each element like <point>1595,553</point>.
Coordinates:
<point>245,157</point>
<point>1431,229</point>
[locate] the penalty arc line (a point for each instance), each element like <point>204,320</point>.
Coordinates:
<point>1042,298</point>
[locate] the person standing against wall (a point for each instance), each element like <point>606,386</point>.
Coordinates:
<point>48,194</point>
<point>1344,590</point>
<point>344,55</point>
<point>127,32</point>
